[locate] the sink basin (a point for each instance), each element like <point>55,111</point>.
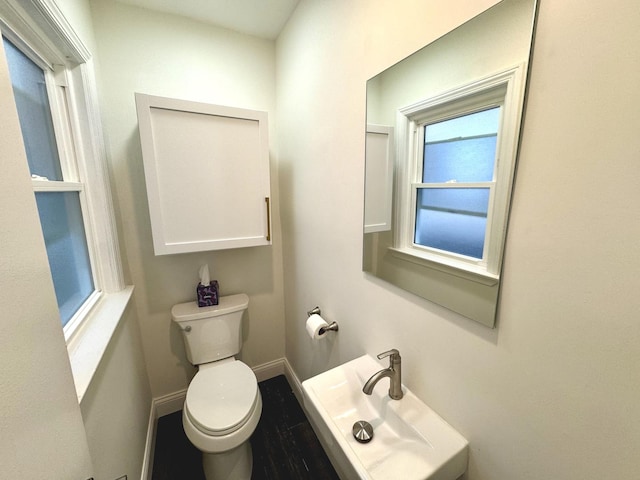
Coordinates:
<point>410,441</point>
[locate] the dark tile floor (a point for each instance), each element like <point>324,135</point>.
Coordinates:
<point>284,444</point>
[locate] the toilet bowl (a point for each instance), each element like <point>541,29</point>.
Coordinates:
<point>221,411</point>
<point>223,403</point>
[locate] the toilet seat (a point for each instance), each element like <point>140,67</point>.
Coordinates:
<point>221,397</point>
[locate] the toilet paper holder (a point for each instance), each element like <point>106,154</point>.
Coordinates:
<point>332,326</point>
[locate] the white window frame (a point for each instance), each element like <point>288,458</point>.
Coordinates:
<point>64,117</point>
<point>42,32</point>
<point>504,89</point>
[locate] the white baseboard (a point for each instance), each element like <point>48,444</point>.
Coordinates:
<point>168,404</point>
<point>150,446</point>
<point>294,381</point>
<point>173,402</point>
<point>270,369</point>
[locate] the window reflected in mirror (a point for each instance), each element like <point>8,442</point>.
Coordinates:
<point>452,203</point>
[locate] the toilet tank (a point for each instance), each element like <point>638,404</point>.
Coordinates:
<point>211,333</point>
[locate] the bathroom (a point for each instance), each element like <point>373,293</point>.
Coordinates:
<point>551,392</point>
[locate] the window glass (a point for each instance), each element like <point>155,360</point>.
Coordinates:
<point>34,113</point>
<point>461,149</point>
<point>64,237</point>
<point>452,219</point>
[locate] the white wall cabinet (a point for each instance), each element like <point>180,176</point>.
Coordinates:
<point>378,178</point>
<point>207,174</point>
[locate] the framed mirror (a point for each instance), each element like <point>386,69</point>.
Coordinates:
<point>442,138</point>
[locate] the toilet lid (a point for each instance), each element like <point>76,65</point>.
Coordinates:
<point>221,398</point>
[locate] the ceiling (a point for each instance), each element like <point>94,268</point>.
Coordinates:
<point>260,18</point>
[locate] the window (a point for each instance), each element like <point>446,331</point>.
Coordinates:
<point>452,202</point>
<point>52,75</point>
<point>59,192</point>
<point>59,102</point>
<point>456,161</point>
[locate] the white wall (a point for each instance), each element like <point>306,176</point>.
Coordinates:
<point>78,14</point>
<point>553,391</point>
<point>159,54</point>
<point>117,406</point>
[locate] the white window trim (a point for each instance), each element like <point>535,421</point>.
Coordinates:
<point>41,23</point>
<point>504,88</point>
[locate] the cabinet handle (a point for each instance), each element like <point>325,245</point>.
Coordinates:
<point>266,199</point>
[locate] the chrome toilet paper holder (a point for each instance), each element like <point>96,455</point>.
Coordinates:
<point>332,326</point>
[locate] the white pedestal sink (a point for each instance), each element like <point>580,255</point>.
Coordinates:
<point>410,441</point>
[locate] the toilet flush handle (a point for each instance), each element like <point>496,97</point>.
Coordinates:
<point>187,328</point>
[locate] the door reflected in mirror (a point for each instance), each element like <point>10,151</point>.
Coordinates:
<point>441,147</point>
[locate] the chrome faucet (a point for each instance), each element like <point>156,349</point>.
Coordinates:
<point>394,372</point>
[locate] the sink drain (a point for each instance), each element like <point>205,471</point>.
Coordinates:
<point>362,431</point>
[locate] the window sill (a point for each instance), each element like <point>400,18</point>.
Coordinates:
<point>87,346</point>
<point>466,272</point>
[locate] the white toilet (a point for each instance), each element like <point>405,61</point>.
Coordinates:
<point>223,403</point>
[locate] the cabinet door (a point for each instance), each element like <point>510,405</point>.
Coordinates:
<point>207,175</point>
<point>378,189</point>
